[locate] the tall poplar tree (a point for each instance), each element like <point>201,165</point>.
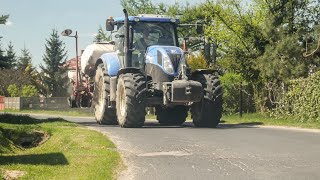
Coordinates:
<point>54,72</point>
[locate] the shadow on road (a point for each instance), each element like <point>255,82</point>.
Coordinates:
<point>88,123</point>
<point>155,124</point>
<point>239,125</point>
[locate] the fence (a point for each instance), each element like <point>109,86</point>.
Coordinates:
<point>19,103</point>
<point>1,103</point>
<point>12,103</point>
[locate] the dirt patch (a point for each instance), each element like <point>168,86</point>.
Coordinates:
<point>32,139</point>
<point>13,174</point>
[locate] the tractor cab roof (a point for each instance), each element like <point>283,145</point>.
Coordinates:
<point>148,18</point>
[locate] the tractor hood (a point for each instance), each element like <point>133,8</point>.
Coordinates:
<point>168,57</point>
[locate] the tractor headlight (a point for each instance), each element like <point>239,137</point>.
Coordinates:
<point>167,65</point>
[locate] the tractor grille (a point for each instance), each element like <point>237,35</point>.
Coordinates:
<point>175,60</point>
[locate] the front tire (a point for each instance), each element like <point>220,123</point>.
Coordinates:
<point>131,89</point>
<point>172,115</point>
<point>208,111</point>
<point>103,114</point>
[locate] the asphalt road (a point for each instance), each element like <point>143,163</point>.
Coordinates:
<point>227,152</point>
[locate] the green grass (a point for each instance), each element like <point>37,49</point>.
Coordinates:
<point>71,152</point>
<point>69,112</point>
<point>256,118</point>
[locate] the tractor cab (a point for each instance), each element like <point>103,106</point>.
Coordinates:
<point>144,31</point>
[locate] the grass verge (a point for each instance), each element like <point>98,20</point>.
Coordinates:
<point>68,112</point>
<point>69,152</point>
<point>256,118</point>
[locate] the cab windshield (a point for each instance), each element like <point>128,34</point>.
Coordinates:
<point>147,34</point>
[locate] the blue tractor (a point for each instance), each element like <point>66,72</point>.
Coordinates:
<point>144,67</point>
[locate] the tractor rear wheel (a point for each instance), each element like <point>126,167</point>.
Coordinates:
<point>208,111</point>
<point>172,115</point>
<point>131,89</point>
<point>103,114</point>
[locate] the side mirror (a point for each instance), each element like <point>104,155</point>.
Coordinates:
<point>110,24</point>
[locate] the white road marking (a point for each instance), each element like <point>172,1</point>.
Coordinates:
<point>168,153</point>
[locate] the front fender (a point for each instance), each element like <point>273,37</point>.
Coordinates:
<point>111,63</point>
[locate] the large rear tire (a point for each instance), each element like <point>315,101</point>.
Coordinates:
<point>172,115</point>
<point>208,111</point>
<point>131,89</point>
<point>103,114</point>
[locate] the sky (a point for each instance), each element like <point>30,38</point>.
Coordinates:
<point>31,22</point>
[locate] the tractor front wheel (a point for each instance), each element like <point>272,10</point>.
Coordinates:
<point>131,89</point>
<point>208,111</point>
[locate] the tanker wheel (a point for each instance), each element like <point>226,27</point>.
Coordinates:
<point>72,101</point>
<point>208,111</point>
<point>172,115</point>
<point>84,100</point>
<point>103,114</point>
<point>131,89</point>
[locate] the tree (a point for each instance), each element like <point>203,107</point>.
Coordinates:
<point>12,76</point>
<point>3,19</point>
<point>3,59</point>
<point>25,59</point>
<point>287,23</point>
<point>135,7</point>
<point>11,56</point>
<point>54,72</point>
<point>285,26</point>
<point>101,36</point>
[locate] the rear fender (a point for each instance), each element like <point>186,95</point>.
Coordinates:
<point>111,63</point>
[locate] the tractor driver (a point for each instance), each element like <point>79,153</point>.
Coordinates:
<point>143,42</point>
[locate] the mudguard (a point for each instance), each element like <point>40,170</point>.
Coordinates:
<point>111,63</point>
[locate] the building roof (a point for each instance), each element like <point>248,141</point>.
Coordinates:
<point>71,63</point>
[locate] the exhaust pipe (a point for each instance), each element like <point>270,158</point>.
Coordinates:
<point>127,59</point>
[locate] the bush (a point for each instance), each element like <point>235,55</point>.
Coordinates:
<point>29,91</point>
<point>301,101</point>
<point>231,95</point>
<point>197,62</point>
<point>13,90</point>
